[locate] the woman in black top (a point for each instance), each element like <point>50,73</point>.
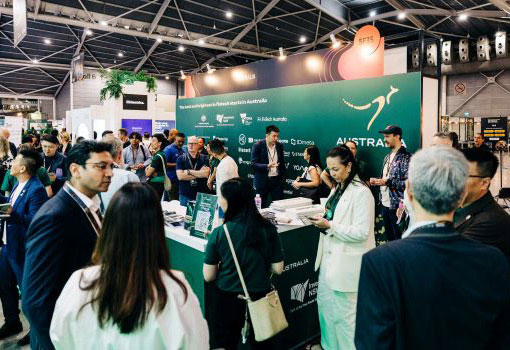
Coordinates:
<point>258,249</point>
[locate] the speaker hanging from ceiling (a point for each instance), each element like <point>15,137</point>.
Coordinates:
<point>501,45</point>
<point>432,55</point>
<point>415,57</point>
<point>447,52</point>
<point>483,49</point>
<point>464,50</point>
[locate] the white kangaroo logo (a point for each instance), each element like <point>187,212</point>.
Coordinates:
<point>381,100</point>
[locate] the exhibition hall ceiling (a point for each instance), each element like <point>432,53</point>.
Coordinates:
<point>165,37</point>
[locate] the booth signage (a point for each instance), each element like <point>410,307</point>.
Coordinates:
<point>203,214</point>
<point>161,125</point>
<point>495,129</point>
<point>19,14</point>
<point>134,102</point>
<point>137,125</point>
<point>77,66</point>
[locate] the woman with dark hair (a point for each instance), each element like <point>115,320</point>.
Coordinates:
<point>258,249</point>
<point>308,184</point>
<point>156,170</point>
<point>455,139</point>
<point>129,298</point>
<point>201,146</point>
<point>347,230</point>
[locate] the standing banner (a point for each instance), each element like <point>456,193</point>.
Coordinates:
<point>203,214</point>
<point>495,129</point>
<point>137,125</point>
<point>77,66</point>
<point>19,14</point>
<point>14,125</point>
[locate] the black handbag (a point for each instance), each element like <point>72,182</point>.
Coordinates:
<point>309,192</point>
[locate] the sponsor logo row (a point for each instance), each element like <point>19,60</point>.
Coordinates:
<point>223,120</point>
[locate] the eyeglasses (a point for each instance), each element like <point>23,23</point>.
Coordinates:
<point>102,165</point>
<point>192,143</point>
<point>478,176</point>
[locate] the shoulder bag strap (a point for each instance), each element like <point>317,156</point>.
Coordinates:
<point>246,295</point>
<point>143,151</point>
<point>164,165</point>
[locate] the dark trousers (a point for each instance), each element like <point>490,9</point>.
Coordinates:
<point>390,223</point>
<point>173,194</point>
<point>225,318</point>
<point>273,188</point>
<point>159,187</point>
<point>11,273</point>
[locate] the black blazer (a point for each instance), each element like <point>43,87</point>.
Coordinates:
<point>13,149</point>
<point>59,241</point>
<point>260,160</point>
<point>436,290</point>
<point>485,221</point>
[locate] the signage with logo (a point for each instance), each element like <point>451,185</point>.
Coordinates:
<point>161,125</point>
<point>137,125</point>
<point>134,102</point>
<point>19,14</point>
<point>495,129</point>
<point>77,66</point>
<point>203,214</point>
<point>324,115</point>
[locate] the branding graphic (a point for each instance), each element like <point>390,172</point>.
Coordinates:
<point>224,139</point>
<point>298,291</point>
<point>245,119</point>
<point>381,100</point>
<point>242,139</point>
<point>286,154</point>
<point>296,264</point>
<point>241,161</point>
<point>203,122</point>
<point>273,119</point>
<point>203,118</point>
<point>225,120</point>
<point>301,142</point>
<point>243,150</point>
<point>365,141</point>
<point>250,139</point>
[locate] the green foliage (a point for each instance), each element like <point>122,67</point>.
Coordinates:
<point>115,78</point>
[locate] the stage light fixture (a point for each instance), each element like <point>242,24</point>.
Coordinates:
<point>282,56</point>
<point>463,17</point>
<point>372,13</point>
<point>401,15</point>
<point>120,54</point>
<point>209,69</point>
<point>183,77</point>
<point>89,32</point>
<point>47,41</point>
<point>181,48</point>
<point>201,41</point>
<point>302,39</point>
<point>229,14</point>
<point>159,40</point>
<point>103,23</point>
<point>334,43</point>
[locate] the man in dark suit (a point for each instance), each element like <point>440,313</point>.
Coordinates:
<point>480,216</point>
<point>54,162</point>
<point>435,288</point>
<point>12,147</point>
<point>267,159</point>
<point>25,200</point>
<point>62,235</point>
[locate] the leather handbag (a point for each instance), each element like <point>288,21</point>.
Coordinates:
<point>167,184</point>
<point>266,314</point>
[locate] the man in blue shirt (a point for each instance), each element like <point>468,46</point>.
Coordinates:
<point>172,153</point>
<point>192,171</point>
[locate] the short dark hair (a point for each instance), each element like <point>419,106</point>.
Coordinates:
<point>80,152</point>
<point>180,134</point>
<point>146,134</point>
<point>54,132</point>
<point>27,139</point>
<point>486,162</point>
<point>50,138</point>
<point>31,160</point>
<point>217,146</point>
<point>106,132</point>
<point>166,132</point>
<point>80,139</point>
<point>272,128</point>
<point>161,138</point>
<point>455,139</point>
<point>353,142</point>
<point>123,131</point>
<point>135,135</point>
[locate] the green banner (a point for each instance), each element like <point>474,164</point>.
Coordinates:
<point>324,114</point>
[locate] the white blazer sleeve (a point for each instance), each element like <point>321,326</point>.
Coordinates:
<point>361,223</point>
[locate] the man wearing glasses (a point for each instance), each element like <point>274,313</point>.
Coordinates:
<point>192,172</point>
<point>480,217</point>
<point>53,162</point>
<point>62,235</point>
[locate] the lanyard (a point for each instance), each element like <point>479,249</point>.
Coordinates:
<point>84,208</point>
<point>51,164</point>
<point>333,202</point>
<point>271,156</point>
<point>196,163</point>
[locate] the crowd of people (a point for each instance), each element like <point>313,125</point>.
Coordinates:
<point>92,277</point>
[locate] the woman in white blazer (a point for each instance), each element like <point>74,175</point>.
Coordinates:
<point>347,233</point>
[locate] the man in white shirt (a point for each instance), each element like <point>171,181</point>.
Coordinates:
<point>120,176</point>
<point>226,170</point>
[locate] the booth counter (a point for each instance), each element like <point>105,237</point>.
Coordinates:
<point>297,286</point>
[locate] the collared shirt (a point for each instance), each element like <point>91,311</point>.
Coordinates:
<point>172,153</point>
<point>120,178</point>
<point>272,155</point>
<point>141,155</point>
<point>93,204</point>
<point>415,226</point>
<point>17,192</point>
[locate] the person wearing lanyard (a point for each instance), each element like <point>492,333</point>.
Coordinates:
<point>172,153</point>
<point>25,200</point>
<point>156,170</point>
<point>434,288</point>
<point>53,162</point>
<point>192,171</point>
<point>267,160</point>
<point>136,157</point>
<point>347,233</point>
<point>62,235</point>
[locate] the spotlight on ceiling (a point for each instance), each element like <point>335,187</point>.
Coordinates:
<point>120,54</point>
<point>372,13</point>
<point>89,32</point>
<point>463,17</point>
<point>201,41</point>
<point>159,40</point>
<point>167,77</point>
<point>229,14</point>
<point>47,41</point>
<point>401,15</point>
<point>334,43</point>
<point>183,77</point>
<point>181,48</point>
<point>126,27</point>
<point>209,69</point>
<point>35,61</point>
<point>103,23</point>
<point>282,56</point>
<point>302,39</point>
